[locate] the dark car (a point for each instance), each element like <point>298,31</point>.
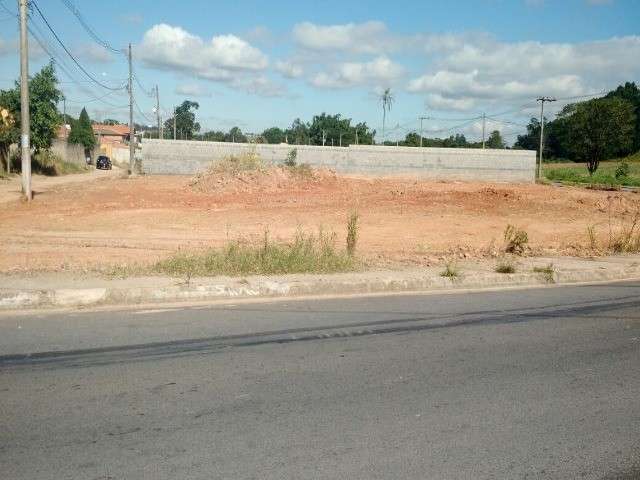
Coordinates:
<point>103,163</point>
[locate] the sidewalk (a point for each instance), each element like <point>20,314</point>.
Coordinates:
<point>66,290</point>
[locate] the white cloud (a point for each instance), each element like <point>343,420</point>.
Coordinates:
<point>94,53</point>
<point>377,72</point>
<point>223,58</point>
<point>368,37</point>
<point>289,69</point>
<point>484,69</point>
<point>192,90</point>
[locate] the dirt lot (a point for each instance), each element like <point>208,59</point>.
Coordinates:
<point>114,221</point>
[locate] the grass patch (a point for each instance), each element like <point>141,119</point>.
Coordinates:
<point>47,163</point>
<point>306,254</point>
<point>611,173</point>
<point>547,272</point>
<point>235,164</point>
<point>505,265</point>
<point>450,271</point>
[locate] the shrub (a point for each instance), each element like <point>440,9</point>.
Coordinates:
<point>292,156</point>
<point>450,271</point>
<point>506,265</point>
<point>352,233</point>
<point>515,240</point>
<point>622,170</point>
<point>235,164</point>
<point>47,163</point>
<point>547,272</point>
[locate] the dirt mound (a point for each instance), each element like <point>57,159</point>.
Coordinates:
<point>263,180</point>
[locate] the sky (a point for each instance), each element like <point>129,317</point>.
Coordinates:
<point>259,64</point>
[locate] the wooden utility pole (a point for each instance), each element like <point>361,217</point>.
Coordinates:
<point>484,126</point>
<point>174,123</point>
<point>158,109</point>
<point>132,135</point>
<point>542,100</point>
<point>24,104</point>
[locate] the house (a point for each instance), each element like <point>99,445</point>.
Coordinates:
<point>112,140</point>
<point>106,134</point>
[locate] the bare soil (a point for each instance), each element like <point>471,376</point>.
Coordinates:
<point>105,220</point>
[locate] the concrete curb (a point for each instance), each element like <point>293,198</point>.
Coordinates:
<point>261,287</point>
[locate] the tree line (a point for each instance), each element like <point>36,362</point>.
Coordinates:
<point>590,131</point>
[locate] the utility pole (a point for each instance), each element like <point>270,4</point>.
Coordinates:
<point>174,123</point>
<point>324,137</point>
<point>542,100</point>
<point>356,136</point>
<point>158,109</point>
<point>132,134</point>
<point>422,130</point>
<point>340,138</point>
<point>24,103</point>
<point>484,125</point>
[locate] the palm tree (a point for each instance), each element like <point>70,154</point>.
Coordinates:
<point>387,102</point>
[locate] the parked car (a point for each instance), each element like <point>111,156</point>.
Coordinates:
<point>103,163</point>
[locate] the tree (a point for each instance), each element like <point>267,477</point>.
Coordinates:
<point>43,110</point>
<point>630,92</point>
<point>186,124</point>
<point>82,133</point>
<point>111,121</point>
<point>599,129</point>
<point>44,117</point>
<point>298,133</point>
<point>9,131</point>
<point>274,135</point>
<point>387,102</point>
<point>212,136</point>
<point>235,135</point>
<point>495,140</point>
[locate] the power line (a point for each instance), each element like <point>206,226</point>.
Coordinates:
<point>64,47</point>
<point>74,10</point>
<point>61,64</point>
<point>141,112</point>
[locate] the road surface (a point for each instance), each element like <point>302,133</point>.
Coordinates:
<point>531,384</point>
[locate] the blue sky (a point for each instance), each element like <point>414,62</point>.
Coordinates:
<point>258,64</point>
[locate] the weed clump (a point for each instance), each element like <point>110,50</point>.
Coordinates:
<point>352,233</point>
<point>515,240</point>
<point>306,254</point>
<point>547,272</point>
<point>450,271</point>
<point>505,265</point>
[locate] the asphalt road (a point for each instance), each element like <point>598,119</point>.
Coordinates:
<point>534,384</point>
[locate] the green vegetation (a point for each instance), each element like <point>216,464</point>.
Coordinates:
<point>306,254</point>
<point>515,240</point>
<point>505,265</point>
<point>623,172</point>
<point>450,271</point>
<point>235,164</point>
<point>82,132</point>
<point>44,116</point>
<point>547,272</point>
<point>590,131</point>
<point>352,234</point>
<point>185,119</point>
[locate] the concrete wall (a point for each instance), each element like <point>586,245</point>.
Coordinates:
<point>190,157</point>
<point>70,152</point>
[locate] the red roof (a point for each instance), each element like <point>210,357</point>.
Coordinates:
<point>101,129</point>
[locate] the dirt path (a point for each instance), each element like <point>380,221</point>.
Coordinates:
<point>10,190</point>
<point>75,224</point>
